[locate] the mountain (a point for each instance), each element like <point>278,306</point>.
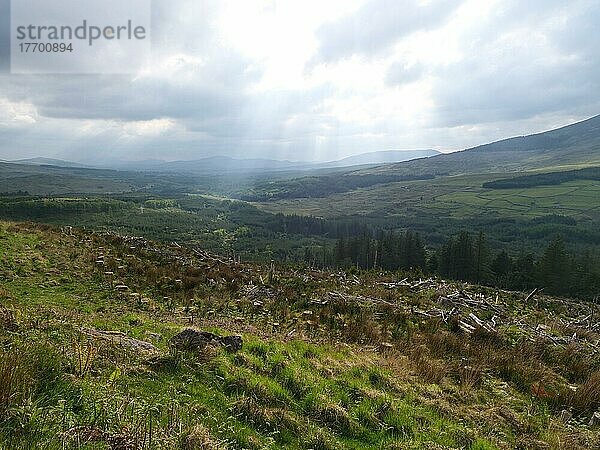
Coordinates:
<point>230,165</point>
<point>207,165</point>
<point>571,146</point>
<point>40,161</point>
<point>383,157</point>
<point>204,165</point>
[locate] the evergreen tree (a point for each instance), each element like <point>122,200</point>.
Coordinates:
<point>554,268</point>
<point>481,265</point>
<point>501,267</point>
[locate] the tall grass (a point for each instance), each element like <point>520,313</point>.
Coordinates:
<point>15,380</point>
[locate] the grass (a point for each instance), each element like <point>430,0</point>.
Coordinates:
<point>458,197</point>
<point>318,380</point>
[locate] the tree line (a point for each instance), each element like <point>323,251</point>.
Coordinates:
<point>467,257</point>
<point>544,179</point>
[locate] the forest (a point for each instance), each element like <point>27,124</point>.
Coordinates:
<point>468,257</point>
<point>513,254</point>
<point>544,179</point>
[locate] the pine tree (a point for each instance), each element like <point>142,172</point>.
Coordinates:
<point>554,268</point>
<point>501,267</point>
<point>481,263</point>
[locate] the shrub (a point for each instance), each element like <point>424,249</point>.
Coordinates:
<point>587,397</point>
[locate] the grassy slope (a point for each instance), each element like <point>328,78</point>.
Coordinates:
<point>457,191</point>
<point>573,146</point>
<point>310,375</point>
<point>224,227</point>
<point>50,180</point>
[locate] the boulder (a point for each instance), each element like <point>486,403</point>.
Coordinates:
<point>194,340</point>
<point>120,338</point>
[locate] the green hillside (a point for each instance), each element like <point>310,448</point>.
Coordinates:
<point>505,189</point>
<point>460,197</point>
<point>330,360</point>
<point>54,180</point>
<point>573,146</point>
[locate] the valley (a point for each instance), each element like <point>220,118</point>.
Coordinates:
<point>376,307</point>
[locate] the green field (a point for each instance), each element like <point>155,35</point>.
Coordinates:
<point>579,199</point>
<point>458,197</point>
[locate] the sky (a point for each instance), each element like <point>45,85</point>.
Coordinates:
<point>316,80</point>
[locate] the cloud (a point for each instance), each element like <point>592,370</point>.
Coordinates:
<point>515,70</point>
<point>402,72</point>
<point>178,87</point>
<point>377,25</point>
<point>319,81</point>
<point>16,114</point>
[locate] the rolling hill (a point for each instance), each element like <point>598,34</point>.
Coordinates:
<point>572,146</point>
<point>41,161</point>
<point>227,164</point>
<point>382,157</point>
<point>499,188</point>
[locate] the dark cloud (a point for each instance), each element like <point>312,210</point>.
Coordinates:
<point>379,24</point>
<point>189,90</point>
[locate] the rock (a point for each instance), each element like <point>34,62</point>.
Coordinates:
<point>232,343</point>
<point>565,415</point>
<point>194,340</point>
<point>120,338</point>
<point>595,419</point>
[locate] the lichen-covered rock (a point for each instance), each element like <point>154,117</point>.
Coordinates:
<point>193,340</point>
<point>120,338</point>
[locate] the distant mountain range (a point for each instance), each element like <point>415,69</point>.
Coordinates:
<point>383,157</point>
<point>569,147</point>
<point>228,164</point>
<point>572,146</point>
<point>48,162</point>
